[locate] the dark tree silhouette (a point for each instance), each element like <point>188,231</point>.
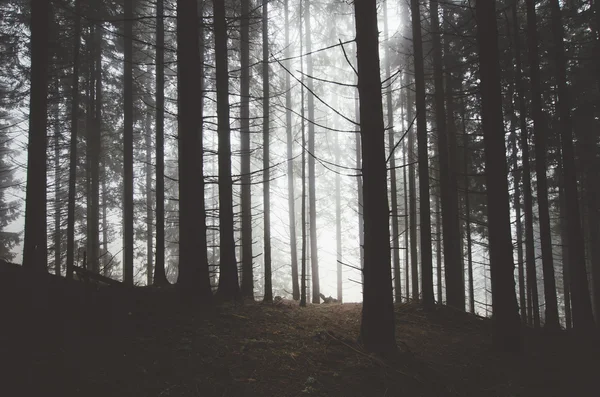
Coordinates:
<point>506,321</point>
<point>377,325</point>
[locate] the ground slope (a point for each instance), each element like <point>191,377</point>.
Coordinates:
<point>81,341</point>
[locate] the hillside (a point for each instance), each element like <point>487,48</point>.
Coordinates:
<point>85,341</point>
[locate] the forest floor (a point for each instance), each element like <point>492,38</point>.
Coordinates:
<point>78,341</point>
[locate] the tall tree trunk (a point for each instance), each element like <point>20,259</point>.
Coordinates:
<point>73,142</point>
<point>93,146</point>
<point>160,277</point>
<point>228,280</point>
<point>533,314</point>
<point>57,180</point>
<point>393,180</point>
<point>105,259</point>
<point>128,147</point>
<point>35,246</point>
<point>438,247</point>
<point>303,277</point>
<point>423,158</point>
<point>583,318</point>
<point>338,220</point>
<point>312,194</point>
<point>266,170</point>
<point>359,183</point>
<point>455,289</point>
<point>507,334</point>
<point>467,209</point>
<point>406,232</point>
<point>193,277</point>
<point>564,231</point>
<point>412,201</point>
<point>539,128</point>
<point>247,287</point>
<point>290,162</point>
<point>377,324</point>
<point>149,214</point>
<point>517,79</point>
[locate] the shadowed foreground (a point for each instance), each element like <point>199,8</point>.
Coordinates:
<point>85,341</point>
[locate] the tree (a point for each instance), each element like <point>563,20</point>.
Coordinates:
<point>193,275</point>
<point>228,280</point>
<point>506,320</point>
<point>423,159</point>
<point>128,147</point>
<point>247,287</point>
<point>290,162</point>
<point>393,180</point>
<point>551,318</point>
<point>73,142</point>
<point>35,244</point>
<point>266,166</point>
<point>160,277</point>
<point>455,289</point>
<point>377,323</point>
<point>312,194</point>
<point>583,318</point>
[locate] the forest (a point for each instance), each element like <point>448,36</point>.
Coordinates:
<point>291,197</point>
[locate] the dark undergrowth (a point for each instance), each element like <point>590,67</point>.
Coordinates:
<point>66,338</point>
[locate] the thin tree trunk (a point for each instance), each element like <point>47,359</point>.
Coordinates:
<point>290,162</point>
<point>228,279</point>
<point>423,158</point>
<point>406,232</point>
<point>412,202</point>
<point>57,181</point>
<point>517,173</point>
<point>266,170</point>
<point>312,194</point>
<point>455,290</point>
<point>73,143</point>
<point>468,210</point>
<point>303,277</point>
<point>583,318</point>
<point>377,324</point>
<point>539,128</point>
<point>160,277</point>
<point>149,214</point>
<point>507,334</point>
<point>565,250</point>
<point>338,221</point>
<point>393,179</point>
<point>247,287</point>
<point>128,147</point>
<point>438,247</point>
<point>533,314</point>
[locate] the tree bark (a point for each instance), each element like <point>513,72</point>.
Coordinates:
<point>312,194</point>
<point>583,318</point>
<point>539,128</point>
<point>266,164</point>
<point>128,147</point>
<point>160,277</point>
<point>377,324</point>
<point>193,277</point>
<point>290,162</point>
<point>35,246</point>
<point>506,322</point>
<point>455,290</point>
<point>393,179</point>
<point>228,280</point>
<point>73,142</point>
<point>423,159</point>
<point>247,287</point>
